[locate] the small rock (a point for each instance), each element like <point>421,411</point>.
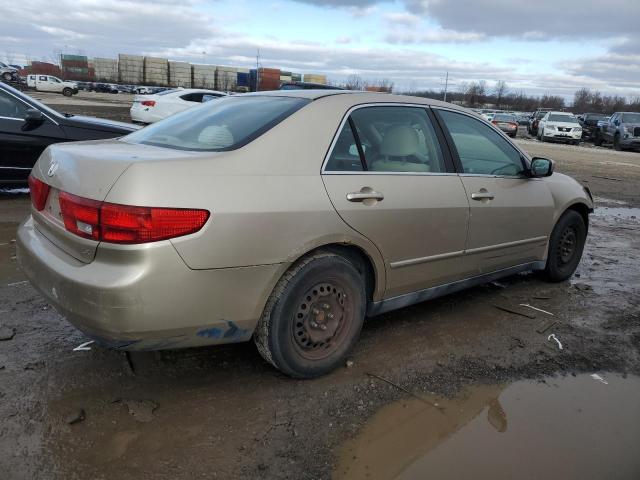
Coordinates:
<point>349,363</point>
<point>76,417</point>
<point>582,287</point>
<point>7,333</point>
<point>34,365</point>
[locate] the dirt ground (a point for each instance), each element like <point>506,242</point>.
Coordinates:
<point>224,413</point>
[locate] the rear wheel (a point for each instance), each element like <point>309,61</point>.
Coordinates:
<point>597,140</point>
<point>313,317</point>
<point>565,246</point>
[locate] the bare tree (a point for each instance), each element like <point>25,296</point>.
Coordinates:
<point>355,82</point>
<point>500,91</point>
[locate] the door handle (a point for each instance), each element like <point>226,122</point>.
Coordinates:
<point>482,196</point>
<point>361,196</point>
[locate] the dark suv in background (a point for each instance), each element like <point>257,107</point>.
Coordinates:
<point>532,128</point>
<point>589,123</point>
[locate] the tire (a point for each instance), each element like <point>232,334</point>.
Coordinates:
<point>67,92</point>
<point>565,246</point>
<point>597,141</point>
<point>313,316</point>
<point>7,77</point>
<point>616,143</point>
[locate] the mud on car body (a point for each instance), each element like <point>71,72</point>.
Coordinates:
<point>287,217</point>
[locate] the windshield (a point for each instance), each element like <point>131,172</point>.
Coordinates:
<point>594,116</point>
<point>223,125</point>
<point>562,118</point>
<point>631,118</point>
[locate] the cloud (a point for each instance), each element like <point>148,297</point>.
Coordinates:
<point>402,18</point>
<point>534,20</point>
<point>433,36</point>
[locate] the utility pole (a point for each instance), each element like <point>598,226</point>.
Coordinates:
<point>446,84</point>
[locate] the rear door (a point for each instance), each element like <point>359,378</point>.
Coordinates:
<point>390,179</point>
<point>20,145</point>
<point>511,214</point>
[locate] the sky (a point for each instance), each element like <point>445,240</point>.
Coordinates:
<point>538,47</point>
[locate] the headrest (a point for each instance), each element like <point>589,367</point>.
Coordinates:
<point>216,136</point>
<point>399,141</point>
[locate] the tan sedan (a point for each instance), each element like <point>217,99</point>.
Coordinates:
<point>287,217</point>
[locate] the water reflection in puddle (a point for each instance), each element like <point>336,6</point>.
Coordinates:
<point>569,428</point>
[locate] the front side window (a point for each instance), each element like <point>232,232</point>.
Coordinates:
<point>42,79</point>
<point>11,107</point>
<point>631,118</point>
<point>392,139</point>
<point>223,125</point>
<point>482,151</point>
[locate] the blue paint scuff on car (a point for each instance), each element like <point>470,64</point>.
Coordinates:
<point>231,333</point>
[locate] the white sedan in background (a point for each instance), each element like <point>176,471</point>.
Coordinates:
<point>153,108</point>
<point>560,126</point>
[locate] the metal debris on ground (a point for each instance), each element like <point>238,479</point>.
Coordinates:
<point>536,308</point>
<point>83,347</point>
<point>497,284</point>
<point>597,377</point>
<point>553,336</point>
<point>513,310</point>
<point>349,363</point>
<point>15,284</point>
<point>76,417</point>
<point>541,297</point>
<point>7,333</point>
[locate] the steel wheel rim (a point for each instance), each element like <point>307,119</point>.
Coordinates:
<point>567,246</point>
<point>322,319</point>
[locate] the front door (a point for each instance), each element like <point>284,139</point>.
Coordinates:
<point>511,214</point>
<point>389,178</point>
<point>20,145</point>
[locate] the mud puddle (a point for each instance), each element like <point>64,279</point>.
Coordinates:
<point>569,427</point>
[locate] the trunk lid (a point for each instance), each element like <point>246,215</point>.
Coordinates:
<point>89,170</point>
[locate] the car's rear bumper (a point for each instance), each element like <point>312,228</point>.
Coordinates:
<point>145,297</point>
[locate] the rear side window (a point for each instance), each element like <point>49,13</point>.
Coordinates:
<point>223,125</point>
<point>392,139</point>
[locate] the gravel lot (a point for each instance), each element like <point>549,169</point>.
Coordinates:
<point>223,413</point>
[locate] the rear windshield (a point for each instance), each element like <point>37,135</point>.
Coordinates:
<point>499,117</point>
<point>223,125</point>
<point>562,118</point>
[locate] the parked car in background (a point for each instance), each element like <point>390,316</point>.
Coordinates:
<point>622,130</point>
<point>523,120</point>
<point>152,108</point>
<point>535,119</point>
<point>105,88</point>
<point>8,73</point>
<point>27,127</point>
<point>560,126</point>
<point>307,86</point>
<point>142,90</point>
<point>287,217</point>
<point>507,123</point>
<point>49,83</point>
<point>589,123</point>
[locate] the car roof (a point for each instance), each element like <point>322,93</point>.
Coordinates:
<point>356,97</point>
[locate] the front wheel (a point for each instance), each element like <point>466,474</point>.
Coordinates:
<point>616,143</point>
<point>7,77</point>
<point>313,316</point>
<point>67,92</point>
<point>565,246</point>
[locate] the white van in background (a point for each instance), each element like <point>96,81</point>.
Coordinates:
<point>49,83</point>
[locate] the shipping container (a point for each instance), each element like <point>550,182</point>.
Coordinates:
<point>296,77</point>
<point>180,74</point>
<point>105,69</point>
<point>131,69</point>
<point>315,78</point>
<point>204,76</point>
<point>156,71</point>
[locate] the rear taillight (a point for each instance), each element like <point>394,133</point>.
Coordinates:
<point>114,223</point>
<point>39,192</point>
<point>149,103</point>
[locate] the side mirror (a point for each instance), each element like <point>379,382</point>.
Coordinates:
<point>32,118</point>
<point>541,167</point>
